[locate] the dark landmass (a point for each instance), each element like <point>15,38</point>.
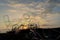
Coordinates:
<point>34,34</point>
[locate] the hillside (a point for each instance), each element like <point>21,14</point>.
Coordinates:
<point>32,34</point>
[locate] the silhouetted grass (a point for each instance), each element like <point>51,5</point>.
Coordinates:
<point>25,34</point>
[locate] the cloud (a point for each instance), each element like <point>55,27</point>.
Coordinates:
<point>54,1</point>
<point>34,8</point>
<point>16,5</point>
<point>24,1</point>
<point>40,9</point>
<point>12,11</point>
<point>33,4</point>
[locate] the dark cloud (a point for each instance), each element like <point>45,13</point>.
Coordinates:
<point>47,5</point>
<point>21,1</point>
<point>54,1</point>
<point>25,1</point>
<point>3,1</point>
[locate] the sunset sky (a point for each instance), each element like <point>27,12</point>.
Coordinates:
<point>47,12</point>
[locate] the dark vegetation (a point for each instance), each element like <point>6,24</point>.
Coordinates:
<point>34,34</point>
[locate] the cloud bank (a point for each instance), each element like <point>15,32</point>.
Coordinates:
<point>46,10</point>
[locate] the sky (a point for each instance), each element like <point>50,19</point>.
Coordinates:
<point>46,12</point>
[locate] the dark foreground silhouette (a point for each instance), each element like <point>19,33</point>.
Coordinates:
<point>34,34</point>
